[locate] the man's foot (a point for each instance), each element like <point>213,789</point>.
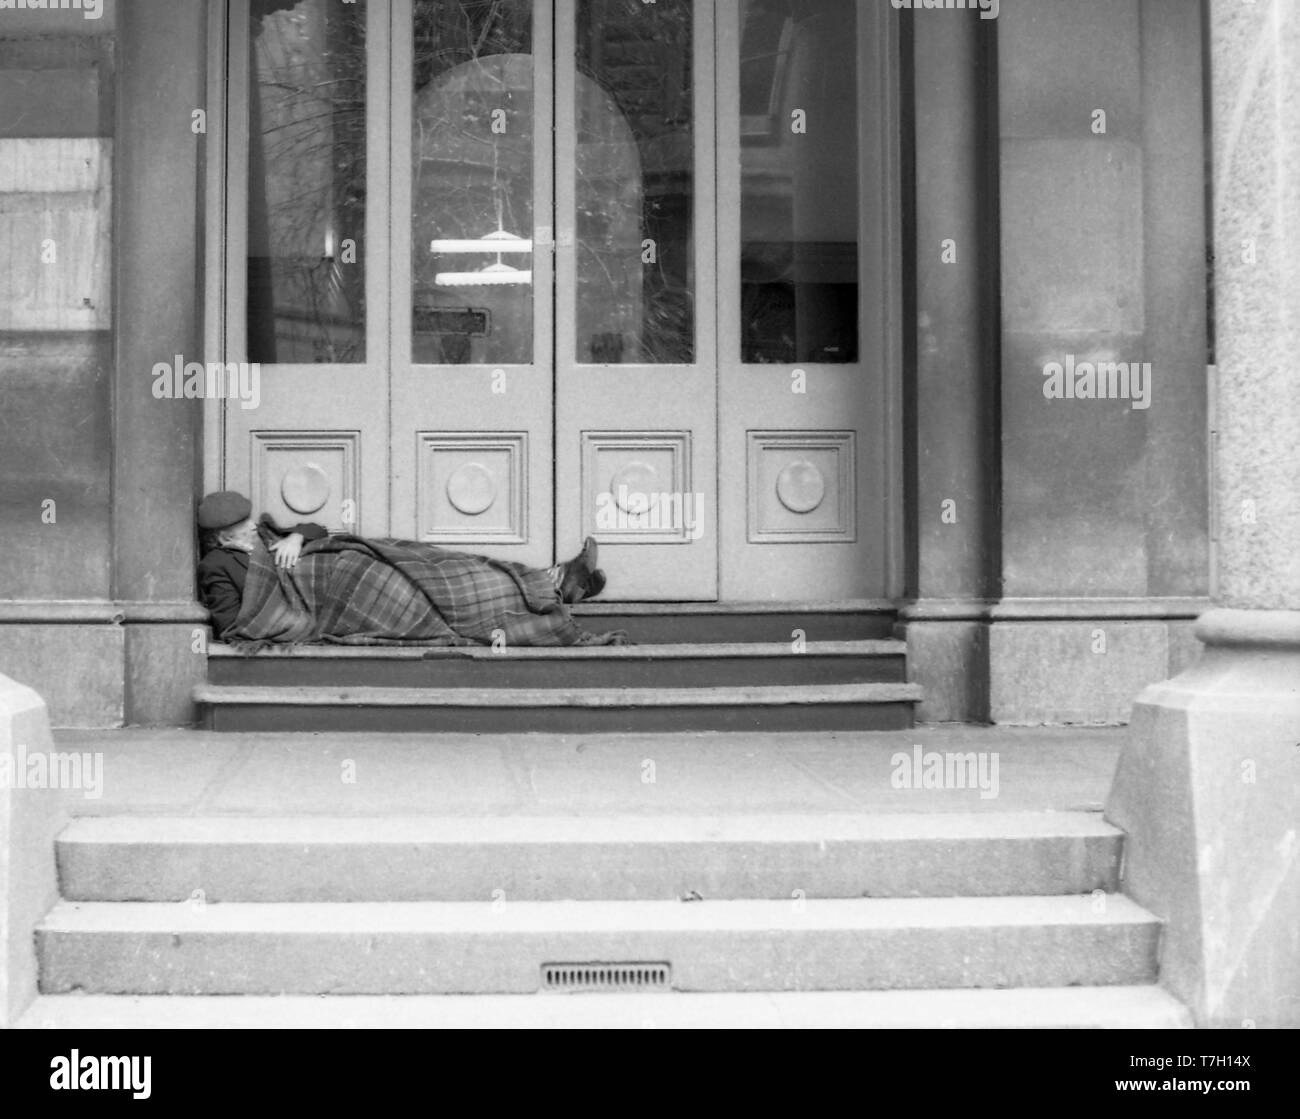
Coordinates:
<point>579,577</point>
<point>595,584</point>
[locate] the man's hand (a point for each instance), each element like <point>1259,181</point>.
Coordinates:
<point>287,550</point>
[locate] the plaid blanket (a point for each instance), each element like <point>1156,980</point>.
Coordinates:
<point>355,591</point>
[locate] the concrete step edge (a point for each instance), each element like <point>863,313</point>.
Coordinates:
<point>716,918</point>
<point>880,647</point>
<point>1115,1007</point>
<point>366,696</point>
<point>775,828</point>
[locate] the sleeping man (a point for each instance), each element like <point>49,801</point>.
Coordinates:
<point>263,584</point>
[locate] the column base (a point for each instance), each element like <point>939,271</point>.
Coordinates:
<point>101,664</point>
<point>1208,790</point>
<point>948,655</point>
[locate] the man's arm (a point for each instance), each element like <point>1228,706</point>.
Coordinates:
<point>308,530</point>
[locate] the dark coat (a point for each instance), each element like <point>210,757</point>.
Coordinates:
<point>222,572</point>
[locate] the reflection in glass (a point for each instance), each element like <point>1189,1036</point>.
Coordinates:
<point>799,181</point>
<point>635,185</point>
<point>472,196</point>
<point>306,182</point>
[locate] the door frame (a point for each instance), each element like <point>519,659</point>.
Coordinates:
<point>881,170</point>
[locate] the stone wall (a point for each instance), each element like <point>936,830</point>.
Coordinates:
<point>100,224</point>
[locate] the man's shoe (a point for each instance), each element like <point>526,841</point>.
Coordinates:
<point>577,575</point>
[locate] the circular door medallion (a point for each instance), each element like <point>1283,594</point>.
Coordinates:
<point>471,489</point>
<point>305,488</point>
<point>632,486</point>
<point>801,487</point>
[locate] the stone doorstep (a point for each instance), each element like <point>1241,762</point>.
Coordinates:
<point>656,652</point>
<point>367,696</point>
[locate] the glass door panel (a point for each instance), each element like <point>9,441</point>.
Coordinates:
<point>635,183</point>
<point>472,379</point>
<point>798,189</point>
<point>307,183</point>
<point>472,216</point>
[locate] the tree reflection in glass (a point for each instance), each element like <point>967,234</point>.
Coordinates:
<point>306,182</point>
<point>635,182</point>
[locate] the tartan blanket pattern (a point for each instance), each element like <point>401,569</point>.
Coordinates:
<point>352,590</point>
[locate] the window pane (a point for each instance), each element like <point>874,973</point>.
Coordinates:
<point>472,197</point>
<point>799,181</point>
<point>307,182</point>
<point>635,182</point>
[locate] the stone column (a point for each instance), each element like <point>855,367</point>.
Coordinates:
<point>953,484</point>
<point>163,65</point>
<point>1208,787</point>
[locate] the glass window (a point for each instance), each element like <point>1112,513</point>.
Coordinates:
<point>307,182</point>
<point>472,198</point>
<point>635,183</point>
<point>799,181</point>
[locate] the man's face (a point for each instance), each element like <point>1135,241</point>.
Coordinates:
<point>242,536</point>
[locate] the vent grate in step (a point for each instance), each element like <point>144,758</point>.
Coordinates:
<point>606,977</point>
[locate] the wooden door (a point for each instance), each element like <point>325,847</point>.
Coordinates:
<point>472,421</point>
<point>306,278</point>
<point>525,271</point>
<point>807,229</point>
<point>636,369</point>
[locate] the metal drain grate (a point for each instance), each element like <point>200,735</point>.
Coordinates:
<point>606,977</point>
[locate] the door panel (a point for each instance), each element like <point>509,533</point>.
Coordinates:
<point>804,281</point>
<point>473,264</point>
<point>307,275</point>
<point>636,394</point>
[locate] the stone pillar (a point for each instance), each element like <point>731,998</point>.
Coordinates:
<point>1208,787</point>
<point>163,65</point>
<point>1104,534</point>
<point>952,405</point>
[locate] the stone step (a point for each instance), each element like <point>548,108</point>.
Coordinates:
<point>712,623</point>
<point>804,707</point>
<point>613,666</point>
<point>378,859</point>
<point>1140,1007</point>
<point>424,948</point>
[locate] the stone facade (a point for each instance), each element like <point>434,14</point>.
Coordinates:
<point>1058,549</point>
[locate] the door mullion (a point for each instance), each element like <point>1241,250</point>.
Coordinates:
<point>401,60</point>
<point>546,310</point>
<point>379,241</point>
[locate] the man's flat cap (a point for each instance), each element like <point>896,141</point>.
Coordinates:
<point>221,510</point>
